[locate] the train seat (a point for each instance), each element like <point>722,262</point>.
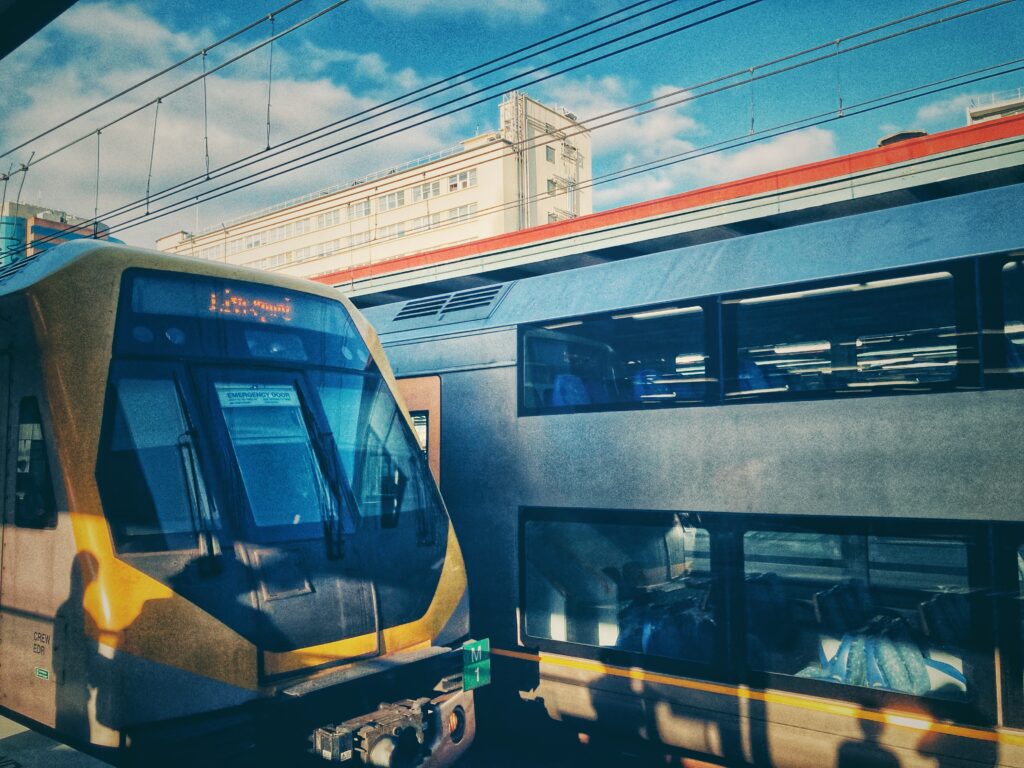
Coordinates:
<point>569,389</point>
<point>844,607</point>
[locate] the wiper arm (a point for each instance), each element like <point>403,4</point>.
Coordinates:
<point>201,510</point>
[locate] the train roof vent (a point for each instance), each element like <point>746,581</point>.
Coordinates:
<point>470,304</point>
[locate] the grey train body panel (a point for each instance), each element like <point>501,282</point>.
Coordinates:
<point>943,455</point>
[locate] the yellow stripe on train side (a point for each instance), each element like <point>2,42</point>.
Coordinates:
<point>912,721</point>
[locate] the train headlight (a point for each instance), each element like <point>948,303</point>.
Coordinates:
<point>457,724</point>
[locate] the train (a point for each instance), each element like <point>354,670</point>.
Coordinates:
<point>221,542</point>
<point>755,499</point>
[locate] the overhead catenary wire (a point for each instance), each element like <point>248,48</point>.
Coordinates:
<point>674,98</point>
<point>298,25</point>
<point>366,114</point>
<point>151,78</point>
<point>308,159</point>
<point>167,211</point>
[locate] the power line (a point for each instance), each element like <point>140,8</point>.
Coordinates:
<point>310,137</point>
<point>318,154</point>
<point>153,77</point>
<point>686,95</point>
<point>170,209</point>
<point>187,83</point>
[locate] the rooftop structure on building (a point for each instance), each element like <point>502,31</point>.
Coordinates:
<point>996,105</point>
<point>28,230</point>
<point>535,169</point>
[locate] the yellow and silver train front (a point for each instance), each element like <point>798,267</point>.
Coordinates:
<point>273,566</point>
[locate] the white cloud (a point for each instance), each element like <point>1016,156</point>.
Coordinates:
<point>494,10</point>
<point>807,146</point>
<point>36,91</point>
<point>939,111</point>
<point>342,64</point>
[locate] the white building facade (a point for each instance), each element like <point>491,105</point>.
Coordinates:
<point>536,169</point>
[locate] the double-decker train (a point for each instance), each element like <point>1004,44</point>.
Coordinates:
<point>757,500</point>
<point>220,538</point>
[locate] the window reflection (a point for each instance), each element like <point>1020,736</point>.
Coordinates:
<point>644,588</point>
<point>1013,316</point>
<point>156,498</point>
<point>648,356</point>
<point>892,613</point>
<point>379,455</point>
<point>881,334</point>
<point>279,469</point>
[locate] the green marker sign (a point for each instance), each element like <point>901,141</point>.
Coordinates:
<point>476,664</point>
<point>42,674</point>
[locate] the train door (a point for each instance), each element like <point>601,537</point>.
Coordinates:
<point>423,397</point>
<point>5,388</point>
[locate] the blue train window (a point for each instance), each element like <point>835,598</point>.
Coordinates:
<point>639,587</point>
<point>34,504</point>
<point>886,612</point>
<point>644,357</point>
<point>1013,316</point>
<point>892,334</point>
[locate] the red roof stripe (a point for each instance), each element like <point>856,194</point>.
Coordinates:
<point>911,149</point>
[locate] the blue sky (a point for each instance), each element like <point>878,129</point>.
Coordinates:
<point>370,50</point>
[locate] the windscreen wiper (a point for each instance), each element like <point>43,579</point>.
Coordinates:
<point>337,498</point>
<point>201,511</point>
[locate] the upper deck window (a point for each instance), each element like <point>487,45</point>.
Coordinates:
<point>880,335</point>
<point>1013,316</point>
<point>640,357</point>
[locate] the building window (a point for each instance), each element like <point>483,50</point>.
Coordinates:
<point>886,612</point>
<point>391,201</point>
<point>552,218</point>
<point>210,252</point>
<point>235,246</point>
<point>359,210</point>
<point>391,231</point>
<point>426,191</point>
<point>359,238</point>
<point>462,213</point>
<point>328,219</point>
<point>549,152</point>
<point>463,180</point>
<point>422,223</point>
<point>552,187</point>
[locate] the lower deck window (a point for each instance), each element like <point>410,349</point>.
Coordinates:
<point>639,587</point>
<point>883,612</point>
<point>1013,316</point>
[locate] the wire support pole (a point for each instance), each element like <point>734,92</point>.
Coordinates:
<point>96,201</point>
<point>270,78</point>
<point>152,153</point>
<point>24,173</point>
<point>147,80</point>
<point>206,121</point>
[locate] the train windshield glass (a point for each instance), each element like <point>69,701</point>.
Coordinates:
<point>271,442</point>
<point>378,453</point>
<point>161,502</point>
<point>259,401</point>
